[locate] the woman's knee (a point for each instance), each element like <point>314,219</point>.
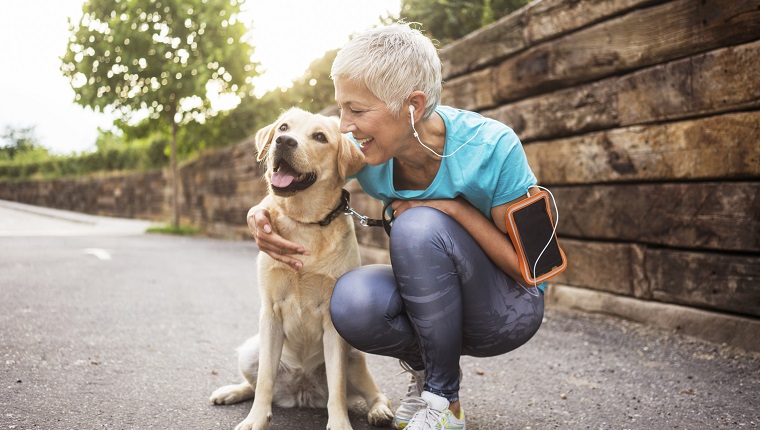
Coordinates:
<point>359,301</point>
<point>420,224</point>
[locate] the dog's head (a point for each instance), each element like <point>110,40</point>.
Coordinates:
<point>303,149</point>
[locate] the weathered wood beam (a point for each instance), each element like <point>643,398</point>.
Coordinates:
<point>685,85</point>
<point>723,282</point>
<point>528,26</point>
<point>722,216</point>
<point>717,147</point>
<point>718,81</point>
<point>639,39</point>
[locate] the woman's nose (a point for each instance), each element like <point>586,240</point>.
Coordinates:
<point>346,125</point>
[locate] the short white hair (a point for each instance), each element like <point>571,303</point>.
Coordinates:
<point>392,62</point>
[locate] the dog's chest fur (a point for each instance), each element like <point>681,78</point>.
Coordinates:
<point>333,249</point>
<point>301,299</point>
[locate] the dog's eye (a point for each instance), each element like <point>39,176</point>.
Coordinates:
<point>320,137</point>
<point>283,127</point>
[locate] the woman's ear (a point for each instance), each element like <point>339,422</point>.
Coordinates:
<point>417,101</point>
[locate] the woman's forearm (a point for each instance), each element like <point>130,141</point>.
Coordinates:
<point>494,242</point>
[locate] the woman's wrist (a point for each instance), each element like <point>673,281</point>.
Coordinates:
<point>459,208</point>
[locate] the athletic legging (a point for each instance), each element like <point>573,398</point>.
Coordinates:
<point>441,298</point>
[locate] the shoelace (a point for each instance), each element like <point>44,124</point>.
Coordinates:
<point>426,419</point>
<point>415,381</point>
<point>419,402</point>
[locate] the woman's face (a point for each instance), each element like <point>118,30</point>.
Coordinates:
<point>368,119</point>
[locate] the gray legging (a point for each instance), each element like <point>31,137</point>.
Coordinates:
<point>441,298</point>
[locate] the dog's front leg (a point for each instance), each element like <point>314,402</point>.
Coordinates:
<point>271,338</point>
<point>359,377</point>
<point>336,360</point>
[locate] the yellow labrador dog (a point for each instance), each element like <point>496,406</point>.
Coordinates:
<point>298,359</point>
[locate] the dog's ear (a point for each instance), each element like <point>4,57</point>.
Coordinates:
<point>350,158</point>
<point>263,140</point>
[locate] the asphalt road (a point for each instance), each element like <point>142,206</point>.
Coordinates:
<point>102,327</point>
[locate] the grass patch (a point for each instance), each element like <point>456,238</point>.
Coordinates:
<point>183,230</point>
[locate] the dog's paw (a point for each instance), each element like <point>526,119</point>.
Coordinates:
<point>380,415</point>
<point>230,394</point>
<point>339,424</point>
<point>254,424</point>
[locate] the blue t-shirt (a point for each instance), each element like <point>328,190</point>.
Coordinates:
<point>490,170</point>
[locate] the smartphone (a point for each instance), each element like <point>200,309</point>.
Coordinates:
<point>531,228</point>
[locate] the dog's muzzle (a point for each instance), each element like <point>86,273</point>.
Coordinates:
<point>286,180</point>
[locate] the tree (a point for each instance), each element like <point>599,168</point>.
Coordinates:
<point>449,20</point>
<point>314,90</point>
<point>17,142</point>
<point>160,58</point>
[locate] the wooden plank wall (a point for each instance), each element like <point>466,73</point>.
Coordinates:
<point>643,119</point>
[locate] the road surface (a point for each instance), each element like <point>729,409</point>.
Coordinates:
<point>103,327</point>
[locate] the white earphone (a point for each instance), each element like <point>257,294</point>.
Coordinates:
<point>411,114</point>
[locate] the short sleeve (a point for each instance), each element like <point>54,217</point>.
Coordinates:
<point>515,176</point>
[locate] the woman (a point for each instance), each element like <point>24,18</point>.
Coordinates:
<point>454,286</point>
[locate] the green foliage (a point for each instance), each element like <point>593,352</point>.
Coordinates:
<point>185,230</point>
<point>313,91</point>
<point>449,20</point>
<point>112,154</point>
<point>157,56</point>
<point>488,16</point>
<point>20,144</point>
<point>116,152</point>
<point>160,57</point>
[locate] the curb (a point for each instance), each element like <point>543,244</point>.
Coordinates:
<point>731,330</point>
<point>87,224</point>
<point>50,212</point>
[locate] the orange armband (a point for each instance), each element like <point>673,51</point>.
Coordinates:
<point>533,234</point>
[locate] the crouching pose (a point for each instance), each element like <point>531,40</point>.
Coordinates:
<point>454,285</point>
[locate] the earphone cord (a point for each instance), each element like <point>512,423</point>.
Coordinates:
<point>411,112</point>
<point>554,231</point>
<point>556,210</point>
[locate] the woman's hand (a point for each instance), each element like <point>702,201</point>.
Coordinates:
<point>271,243</point>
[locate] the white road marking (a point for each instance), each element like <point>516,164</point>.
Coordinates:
<point>101,254</point>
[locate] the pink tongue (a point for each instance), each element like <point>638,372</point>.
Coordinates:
<point>283,177</point>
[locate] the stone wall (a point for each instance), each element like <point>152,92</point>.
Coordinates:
<point>215,192</point>
<point>640,115</point>
<point>138,195</point>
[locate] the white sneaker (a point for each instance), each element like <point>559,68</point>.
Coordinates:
<point>411,403</point>
<point>436,416</point>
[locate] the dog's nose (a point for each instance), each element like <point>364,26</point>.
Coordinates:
<point>286,140</point>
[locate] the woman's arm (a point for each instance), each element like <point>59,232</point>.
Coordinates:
<point>268,241</point>
<point>490,235</point>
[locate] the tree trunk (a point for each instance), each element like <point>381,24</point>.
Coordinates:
<point>175,179</point>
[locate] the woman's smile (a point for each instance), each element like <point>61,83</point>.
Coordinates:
<point>364,143</point>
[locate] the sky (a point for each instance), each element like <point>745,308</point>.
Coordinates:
<point>287,35</point>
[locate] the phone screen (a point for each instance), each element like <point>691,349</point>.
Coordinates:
<point>535,228</point>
